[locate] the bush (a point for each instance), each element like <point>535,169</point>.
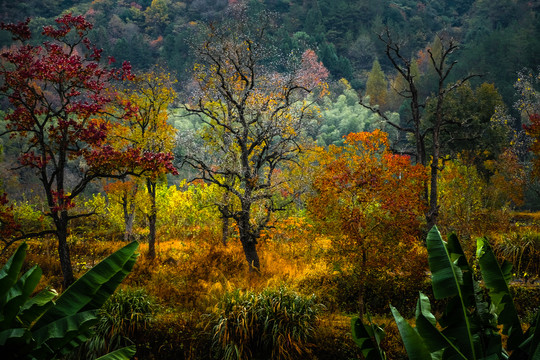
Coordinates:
<point>333,339</point>
<point>521,248</point>
<point>121,321</point>
<point>279,322</point>
<point>340,292</point>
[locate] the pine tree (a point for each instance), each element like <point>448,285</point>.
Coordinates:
<point>377,86</point>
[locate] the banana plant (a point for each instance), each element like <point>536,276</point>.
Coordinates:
<point>368,338</point>
<point>469,326</point>
<point>38,327</point>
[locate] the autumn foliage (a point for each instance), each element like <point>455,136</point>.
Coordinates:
<point>369,200</point>
<point>367,190</point>
<point>533,130</point>
<point>60,97</point>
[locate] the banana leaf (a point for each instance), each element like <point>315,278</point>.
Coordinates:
<point>414,344</point>
<point>10,272</point>
<point>121,354</point>
<point>447,277</point>
<point>18,295</point>
<point>92,289</point>
<point>63,335</point>
<point>426,325</point>
<point>496,279</point>
<point>364,335</point>
<point>36,306</point>
<point>44,329</point>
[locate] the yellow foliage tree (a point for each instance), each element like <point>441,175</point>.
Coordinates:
<point>149,96</point>
<point>377,86</point>
<point>254,119</point>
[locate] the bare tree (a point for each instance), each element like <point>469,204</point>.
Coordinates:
<point>416,125</point>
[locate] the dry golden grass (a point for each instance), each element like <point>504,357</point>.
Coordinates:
<point>189,275</point>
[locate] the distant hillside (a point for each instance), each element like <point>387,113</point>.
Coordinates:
<point>498,37</point>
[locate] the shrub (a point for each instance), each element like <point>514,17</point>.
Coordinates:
<point>521,248</point>
<point>122,320</point>
<point>176,335</point>
<point>277,322</point>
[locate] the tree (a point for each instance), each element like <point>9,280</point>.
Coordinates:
<point>469,130</point>
<point>151,93</point>
<point>377,86</point>
<point>254,117</point>
<point>369,200</point>
<point>342,114</point>
<point>60,97</point>
<point>123,192</point>
<point>441,66</point>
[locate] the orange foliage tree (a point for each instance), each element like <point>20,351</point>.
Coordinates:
<point>369,200</point>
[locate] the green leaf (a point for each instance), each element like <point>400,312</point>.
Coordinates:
<point>17,296</point>
<point>62,335</point>
<point>426,325</point>
<point>124,353</point>
<point>18,336</point>
<point>448,282</point>
<point>414,344</point>
<point>37,306</point>
<point>93,288</point>
<point>496,280</point>
<point>362,335</point>
<point>10,272</point>
<point>17,342</point>
<point>531,345</point>
<point>445,275</point>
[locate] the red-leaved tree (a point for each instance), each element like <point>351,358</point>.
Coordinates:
<point>60,93</point>
<point>368,200</point>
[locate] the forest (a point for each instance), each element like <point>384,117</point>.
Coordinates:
<point>270,179</point>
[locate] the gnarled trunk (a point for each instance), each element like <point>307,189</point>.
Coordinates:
<point>248,238</point>
<point>250,251</point>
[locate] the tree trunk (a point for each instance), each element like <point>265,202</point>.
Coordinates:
<point>63,252</point>
<point>225,220</point>
<point>248,240</point>
<point>362,285</point>
<point>433,212</point>
<point>250,251</point>
<point>128,234</point>
<point>129,213</point>
<point>151,186</point>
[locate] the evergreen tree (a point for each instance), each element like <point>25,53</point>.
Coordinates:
<point>377,86</point>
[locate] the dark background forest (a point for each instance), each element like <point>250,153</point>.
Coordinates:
<point>497,38</point>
